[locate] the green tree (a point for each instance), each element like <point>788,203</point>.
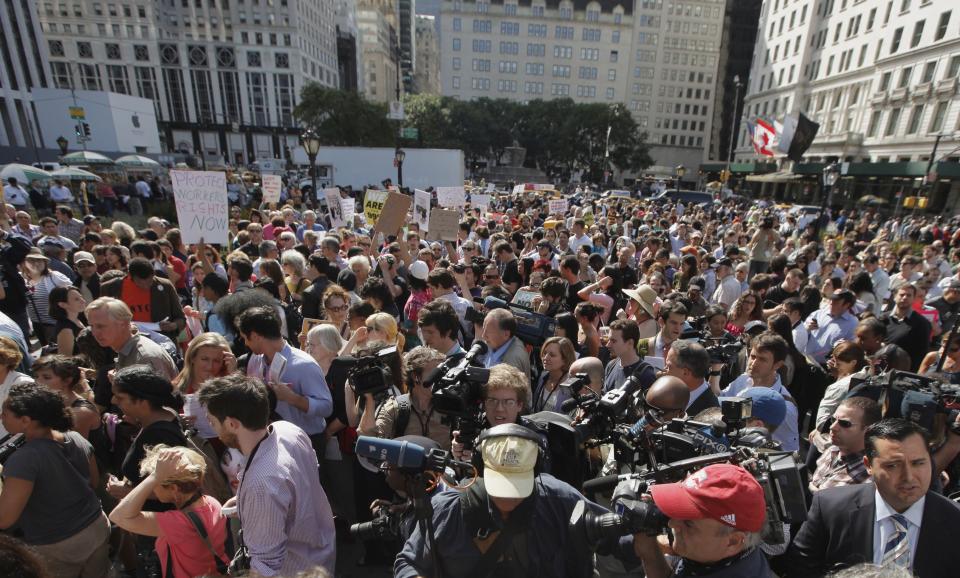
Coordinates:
<point>344,118</point>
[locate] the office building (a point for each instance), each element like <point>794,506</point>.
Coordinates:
<point>23,68</point>
<point>348,45</point>
<point>377,22</point>
<point>406,31</point>
<point>427,74</point>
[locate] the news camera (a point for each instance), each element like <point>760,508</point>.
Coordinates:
<point>778,473</point>
<point>372,373</point>
<point>723,349</point>
<point>385,525</point>
<point>918,398</point>
<point>532,328</point>
<point>458,392</point>
<point>9,444</point>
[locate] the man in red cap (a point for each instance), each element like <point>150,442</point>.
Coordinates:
<point>716,515</point>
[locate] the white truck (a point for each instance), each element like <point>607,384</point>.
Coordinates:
<point>361,166</point>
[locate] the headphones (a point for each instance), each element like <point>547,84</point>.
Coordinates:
<point>512,430</point>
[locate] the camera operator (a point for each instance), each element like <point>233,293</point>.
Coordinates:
<point>690,362</point>
<point>411,413</point>
<point>499,333</point>
<point>438,324</point>
<point>624,335</point>
<point>767,354</point>
<point>716,318</point>
<point>505,396</point>
<point>716,515</point>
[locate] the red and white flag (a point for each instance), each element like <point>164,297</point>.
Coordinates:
<point>763,138</point>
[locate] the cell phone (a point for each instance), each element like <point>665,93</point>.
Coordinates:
<point>229,511</point>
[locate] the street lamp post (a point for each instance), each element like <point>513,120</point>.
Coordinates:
<point>680,170</point>
<point>398,157</point>
<point>733,124</point>
<point>828,179</point>
<point>311,145</point>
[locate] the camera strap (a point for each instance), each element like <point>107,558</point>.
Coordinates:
<point>478,520</point>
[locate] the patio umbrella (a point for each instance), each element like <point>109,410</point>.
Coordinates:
<point>23,173</point>
<point>75,174</point>
<point>87,158</point>
<point>137,161</point>
<point>871,200</point>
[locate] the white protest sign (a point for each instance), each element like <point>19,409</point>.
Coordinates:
<point>421,209</point>
<point>202,211</point>
<point>451,197</point>
<point>444,224</point>
<point>332,195</point>
<point>491,187</point>
<point>517,189</point>
<point>482,201</point>
<point>557,206</point>
<point>348,208</point>
<point>543,187</point>
<point>272,185</point>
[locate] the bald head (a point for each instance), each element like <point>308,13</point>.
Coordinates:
<point>669,394</point>
<point>593,367</point>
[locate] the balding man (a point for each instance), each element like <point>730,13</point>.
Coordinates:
<point>499,333</point>
<point>110,322</point>
<point>593,367</point>
<point>666,399</point>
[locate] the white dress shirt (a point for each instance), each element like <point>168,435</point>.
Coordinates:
<point>883,527</point>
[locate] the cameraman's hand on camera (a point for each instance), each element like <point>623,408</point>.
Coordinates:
<point>459,452</point>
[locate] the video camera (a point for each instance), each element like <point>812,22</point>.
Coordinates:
<point>458,392</point>
<point>778,473</point>
<point>918,398</point>
<point>532,328</point>
<point>9,444</point>
<point>721,349</point>
<point>385,525</point>
<point>372,373</point>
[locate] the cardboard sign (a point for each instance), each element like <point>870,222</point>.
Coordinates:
<point>557,206</point>
<point>272,186</point>
<point>332,195</point>
<point>451,197</point>
<point>202,205</point>
<point>444,224</point>
<point>481,201</point>
<point>394,214</point>
<point>373,205</point>
<point>348,208</point>
<point>421,209</point>
<point>517,189</point>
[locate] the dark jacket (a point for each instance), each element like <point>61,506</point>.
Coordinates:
<point>706,400</point>
<point>311,304</point>
<point>164,301</point>
<point>838,533</point>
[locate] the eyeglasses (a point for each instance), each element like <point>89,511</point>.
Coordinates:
<point>493,402</point>
<point>844,423</point>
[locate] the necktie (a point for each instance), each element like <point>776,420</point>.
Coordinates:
<point>897,549</point>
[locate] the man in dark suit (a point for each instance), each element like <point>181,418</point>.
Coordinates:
<point>691,363</point>
<point>896,520</point>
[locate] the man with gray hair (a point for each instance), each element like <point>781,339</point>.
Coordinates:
<point>499,333</point>
<point>309,224</point>
<point>690,362</point>
<point>110,322</point>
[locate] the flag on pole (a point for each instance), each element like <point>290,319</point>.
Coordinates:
<point>763,136</point>
<point>797,135</point>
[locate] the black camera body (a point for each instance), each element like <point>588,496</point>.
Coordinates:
<point>372,373</point>
<point>9,444</point>
<point>918,398</point>
<point>385,525</point>
<point>458,393</point>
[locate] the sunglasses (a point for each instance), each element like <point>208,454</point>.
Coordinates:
<point>844,423</point>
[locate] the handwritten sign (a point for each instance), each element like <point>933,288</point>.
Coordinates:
<point>517,189</point>
<point>444,224</point>
<point>373,205</point>
<point>421,209</point>
<point>332,196</point>
<point>201,199</point>
<point>451,197</point>
<point>394,213</point>
<point>348,208</point>
<point>481,201</point>
<point>272,185</point>
<point>557,206</point>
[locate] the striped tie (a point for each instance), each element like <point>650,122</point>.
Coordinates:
<point>897,549</point>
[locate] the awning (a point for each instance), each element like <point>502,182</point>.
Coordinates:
<point>777,177</point>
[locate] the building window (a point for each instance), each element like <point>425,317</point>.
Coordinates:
<point>885,81</point>
<point>456,82</point>
<point>176,95</point>
<point>84,50</point>
<point>917,33</point>
<point>257,97</point>
<point>457,25</point>
<point>892,121</point>
<point>141,52</point>
<point>456,45</point>
<point>119,81</point>
<point>56,48</point>
<point>939,113</point>
<point>147,85</point>
<point>282,60</point>
<point>253,59</point>
<point>456,63</point>
<point>283,94</point>
<point>929,69</point>
<point>897,35</point>
<point>90,77</point>
<point>612,74</point>
<point>61,75</point>
<point>536,50</point>
<point>913,126</point>
<point>905,77</point>
<point>113,52</point>
<point>874,124</point>
<point>942,25</point>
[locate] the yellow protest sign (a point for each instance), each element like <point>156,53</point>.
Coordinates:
<point>373,205</point>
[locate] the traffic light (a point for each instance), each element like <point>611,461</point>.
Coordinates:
<point>86,129</point>
<point>78,129</point>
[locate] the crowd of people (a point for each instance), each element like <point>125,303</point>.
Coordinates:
<point>179,410</point>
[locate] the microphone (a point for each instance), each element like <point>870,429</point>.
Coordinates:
<point>476,350</point>
<point>568,405</point>
<point>406,455</point>
<point>604,483</point>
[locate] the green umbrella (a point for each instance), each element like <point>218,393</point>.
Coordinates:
<point>85,158</point>
<point>75,174</point>
<point>137,161</point>
<point>23,173</point>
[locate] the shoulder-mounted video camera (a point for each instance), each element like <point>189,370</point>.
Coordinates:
<point>372,373</point>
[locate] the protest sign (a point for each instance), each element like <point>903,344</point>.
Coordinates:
<point>348,207</point>
<point>491,187</point>
<point>478,200</point>
<point>201,199</point>
<point>272,185</point>
<point>373,205</point>
<point>421,209</point>
<point>588,217</point>
<point>451,197</point>
<point>543,187</point>
<point>517,189</point>
<point>557,206</point>
<point>444,224</point>
<point>394,214</point>
<point>332,195</point>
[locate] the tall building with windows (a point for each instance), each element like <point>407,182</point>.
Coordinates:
<point>880,76</point>
<point>23,68</point>
<point>377,22</point>
<point>426,78</point>
<point>224,75</point>
<point>659,58</point>
<point>407,31</point>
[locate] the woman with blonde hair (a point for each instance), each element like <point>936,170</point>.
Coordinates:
<point>10,358</point>
<point>380,327</point>
<point>294,266</point>
<point>207,356</point>
<point>190,538</point>
<point>557,354</point>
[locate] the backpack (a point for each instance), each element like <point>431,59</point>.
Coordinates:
<point>403,415</point>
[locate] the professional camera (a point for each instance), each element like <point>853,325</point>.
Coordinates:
<point>385,525</point>
<point>919,398</point>
<point>721,349</point>
<point>458,392</point>
<point>778,473</point>
<point>532,328</point>
<point>372,373</point>
<point>9,444</point>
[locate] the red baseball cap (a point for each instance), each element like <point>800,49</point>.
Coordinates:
<point>723,492</point>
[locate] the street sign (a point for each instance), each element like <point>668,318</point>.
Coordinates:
<point>409,132</point>
<point>396,110</point>
<point>77,113</point>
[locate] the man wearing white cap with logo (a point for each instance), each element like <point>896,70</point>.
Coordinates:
<point>514,521</point>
